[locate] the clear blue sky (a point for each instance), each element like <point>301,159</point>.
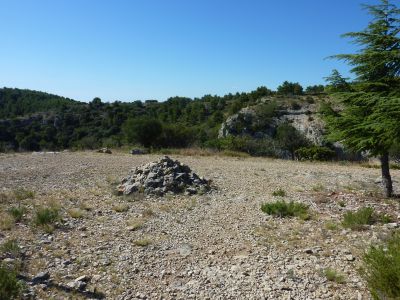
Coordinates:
<point>154,49</point>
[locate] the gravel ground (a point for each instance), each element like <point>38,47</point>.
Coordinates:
<point>219,245</point>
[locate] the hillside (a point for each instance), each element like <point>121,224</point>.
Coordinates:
<point>31,120</point>
<point>19,103</point>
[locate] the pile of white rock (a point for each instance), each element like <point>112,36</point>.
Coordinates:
<point>163,176</point>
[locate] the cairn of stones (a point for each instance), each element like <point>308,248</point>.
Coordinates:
<point>161,177</point>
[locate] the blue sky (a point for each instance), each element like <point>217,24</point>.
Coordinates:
<point>153,49</point>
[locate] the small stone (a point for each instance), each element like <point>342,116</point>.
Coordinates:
<point>350,257</point>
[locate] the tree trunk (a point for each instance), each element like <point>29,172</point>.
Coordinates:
<point>386,179</point>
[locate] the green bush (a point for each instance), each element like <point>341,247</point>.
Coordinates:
<point>46,216</point>
<point>357,220</point>
<point>256,147</point>
<point>283,209</point>
<point>315,153</point>
<point>10,287</point>
<point>381,269</point>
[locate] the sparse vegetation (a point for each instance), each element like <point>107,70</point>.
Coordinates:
<point>22,194</point>
<point>10,287</point>
<point>46,216</point>
<point>284,209</point>
<point>335,276</point>
<point>121,207</point>
<point>10,247</point>
<point>17,212</point>
<point>143,242</point>
<point>136,223</point>
<point>381,269</point>
<point>279,193</point>
<point>330,225</point>
<point>76,213</point>
<point>148,213</point>
<point>357,220</point>
<point>6,221</point>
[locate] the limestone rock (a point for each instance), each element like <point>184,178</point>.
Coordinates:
<point>163,176</point>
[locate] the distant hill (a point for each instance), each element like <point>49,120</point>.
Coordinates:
<point>33,120</point>
<point>18,102</point>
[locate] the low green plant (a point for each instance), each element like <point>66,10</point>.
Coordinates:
<point>357,220</point>
<point>284,209</point>
<point>315,153</point>
<point>384,218</point>
<point>17,213</point>
<point>22,194</point>
<point>333,275</point>
<point>10,287</point>
<point>279,193</point>
<point>46,216</point>
<point>330,225</point>
<point>10,247</point>
<point>381,269</point>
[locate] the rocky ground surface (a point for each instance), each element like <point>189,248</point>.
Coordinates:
<point>218,245</point>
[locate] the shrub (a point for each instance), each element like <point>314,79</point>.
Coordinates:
<point>279,193</point>
<point>315,153</point>
<point>17,213</point>
<point>22,194</point>
<point>46,216</point>
<point>333,275</point>
<point>357,220</point>
<point>283,209</point>
<point>10,247</point>
<point>381,269</point>
<point>10,287</point>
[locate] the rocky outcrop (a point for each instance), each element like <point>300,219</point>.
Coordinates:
<point>249,122</point>
<point>163,176</point>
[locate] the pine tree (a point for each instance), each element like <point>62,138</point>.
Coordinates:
<point>369,118</point>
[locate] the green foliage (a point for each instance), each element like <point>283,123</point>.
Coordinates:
<point>315,89</point>
<point>10,287</point>
<point>256,147</point>
<point>381,269</point>
<point>290,88</point>
<point>284,209</point>
<point>335,276</point>
<point>17,213</point>
<point>357,220</point>
<point>290,139</point>
<point>279,193</point>
<point>337,83</point>
<point>378,62</point>
<point>315,153</point>
<point>369,122</point>
<point>46,216</point>
<point>143,130</point>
